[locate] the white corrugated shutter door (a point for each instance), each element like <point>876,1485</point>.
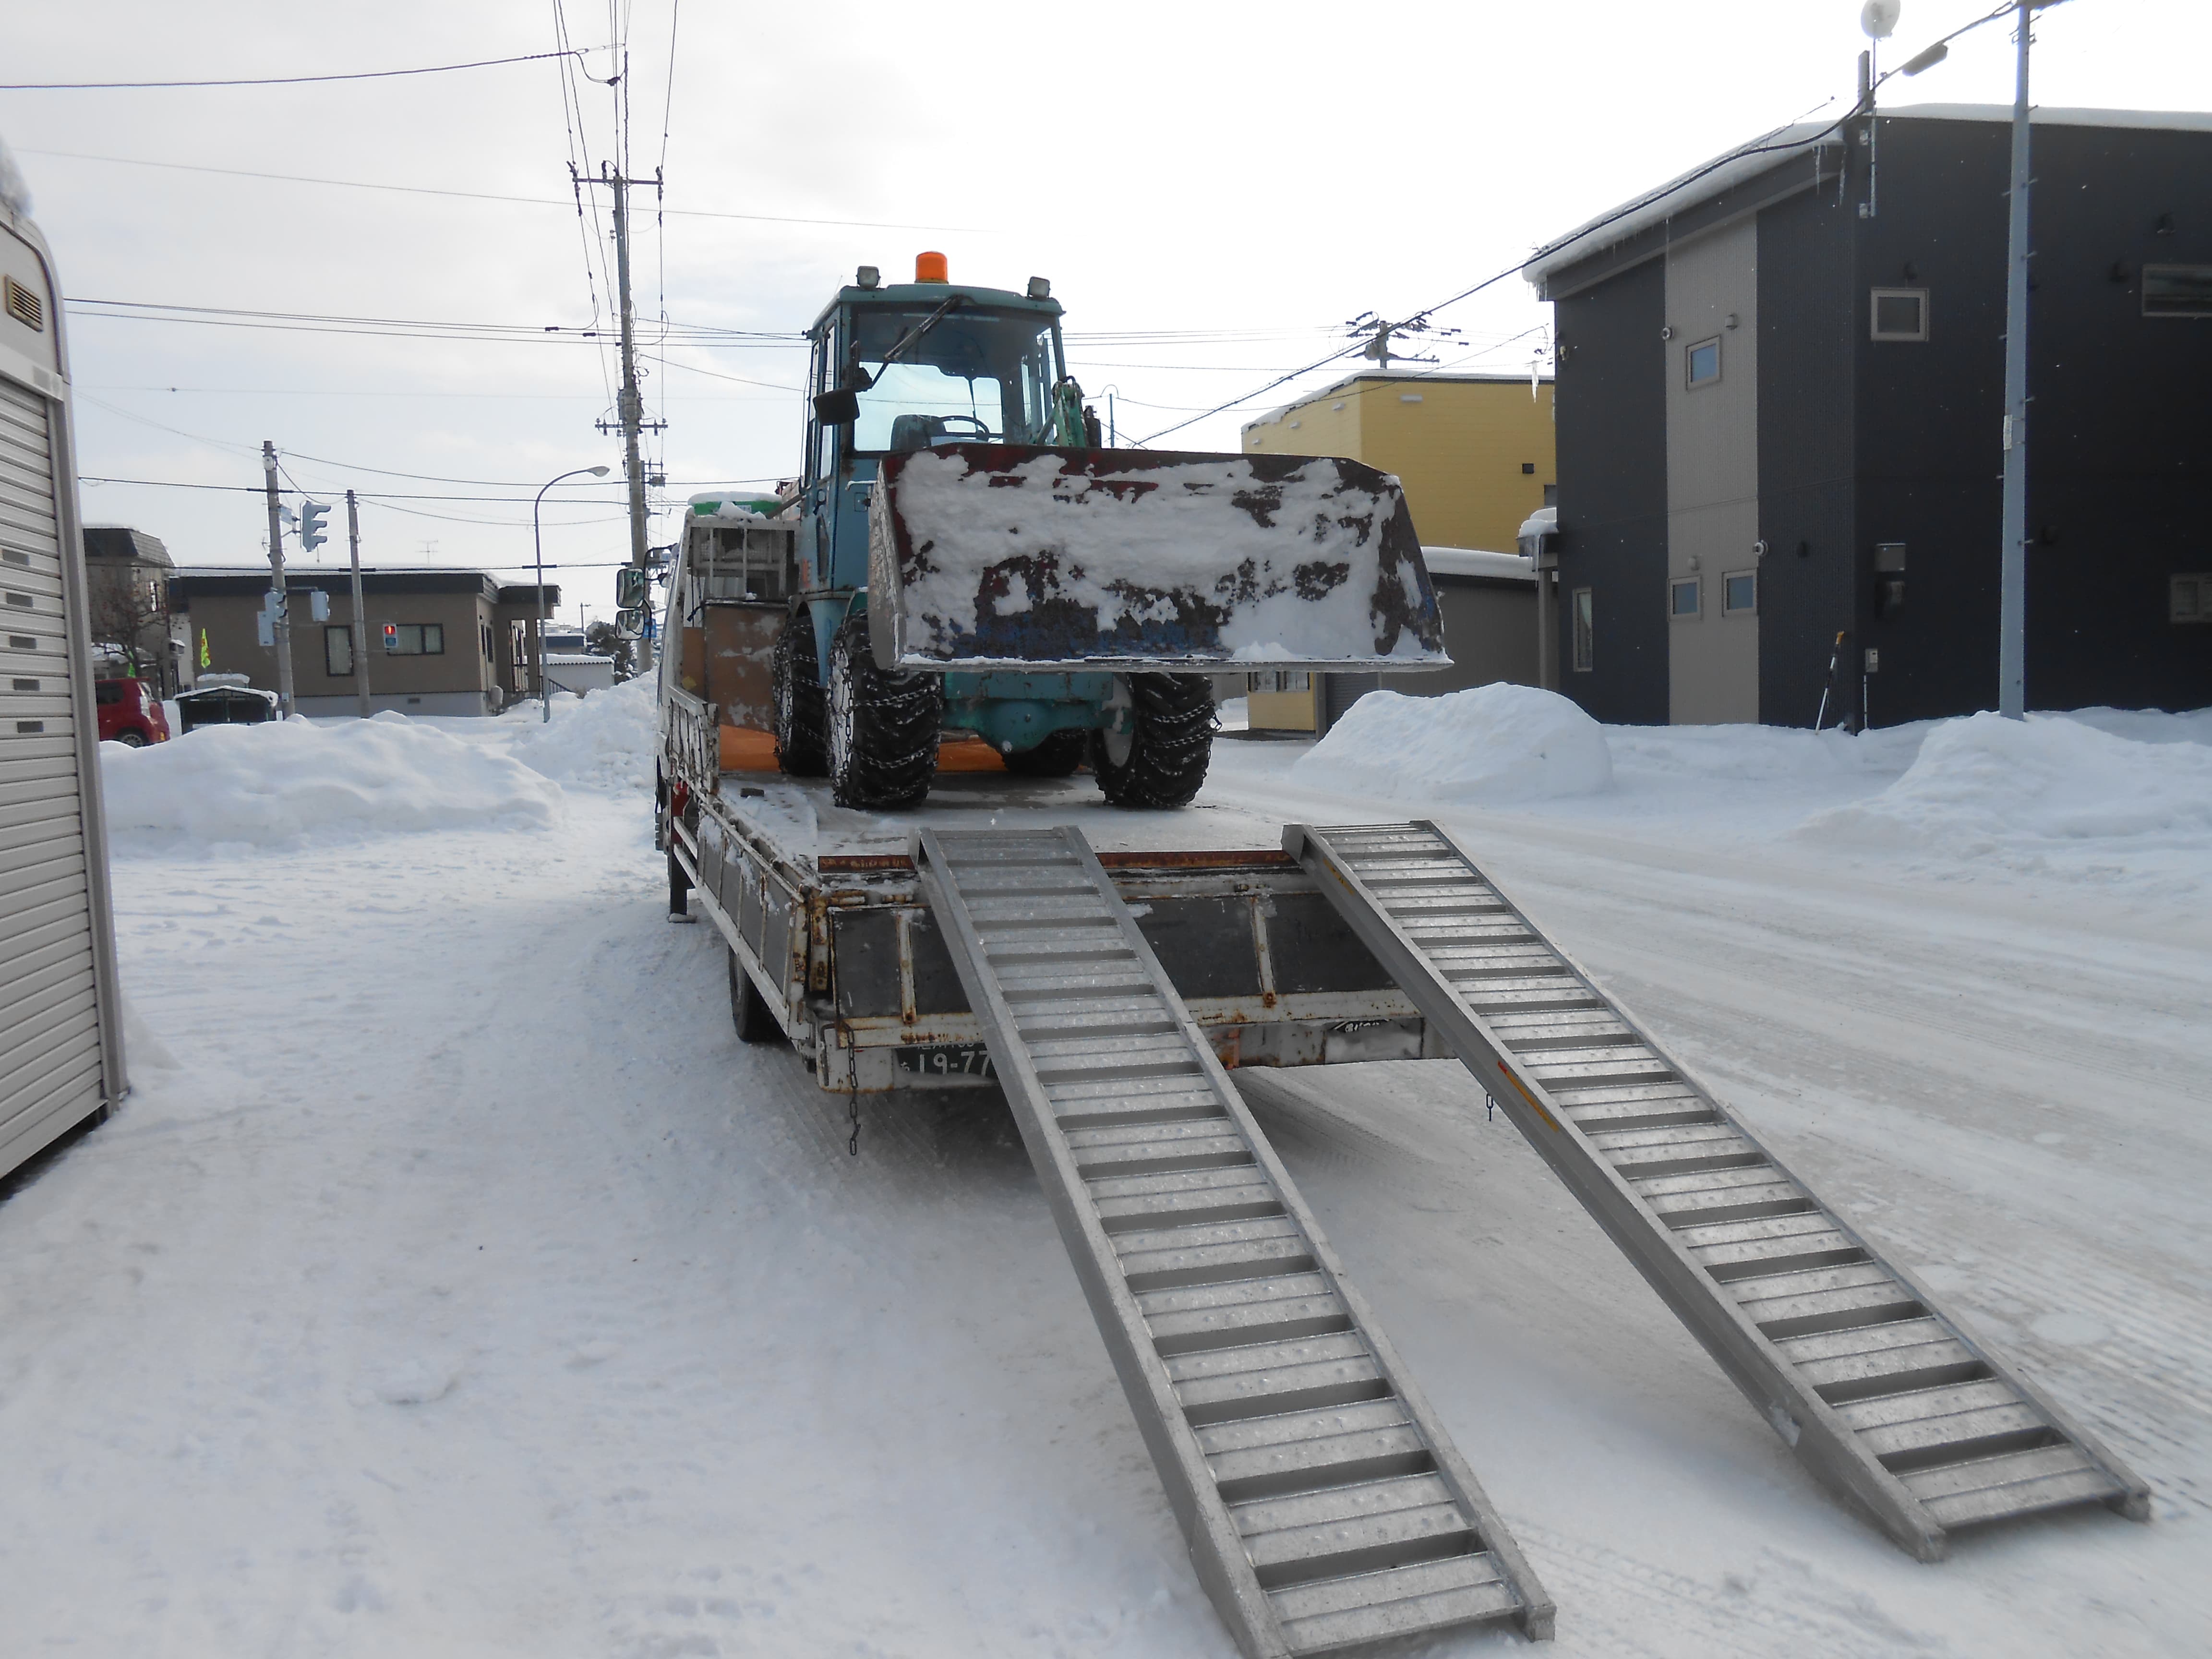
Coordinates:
<point>50,1047</point>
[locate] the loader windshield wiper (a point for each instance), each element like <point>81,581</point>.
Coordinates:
<point>906,340</point>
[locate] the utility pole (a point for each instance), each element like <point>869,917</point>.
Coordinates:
<point>280,616</point>
<point>360,614</point>
<point>2012,569</point>
<point>630,408</point>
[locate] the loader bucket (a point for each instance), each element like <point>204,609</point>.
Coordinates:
<point>990,555</point>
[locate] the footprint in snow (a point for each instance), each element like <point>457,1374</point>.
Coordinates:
<point>414,1382</point>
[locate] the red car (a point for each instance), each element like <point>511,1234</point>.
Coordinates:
<point>129,712</point>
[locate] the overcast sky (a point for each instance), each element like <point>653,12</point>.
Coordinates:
<point>1212,188</point>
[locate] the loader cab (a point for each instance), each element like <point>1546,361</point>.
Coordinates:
<point>926,363</point>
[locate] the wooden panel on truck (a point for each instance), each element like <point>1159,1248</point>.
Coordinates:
<point>736,644</point>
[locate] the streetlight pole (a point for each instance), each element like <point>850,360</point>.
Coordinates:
<point>2012,552</point>
<point>2012,570</point>
<point>537,541</point>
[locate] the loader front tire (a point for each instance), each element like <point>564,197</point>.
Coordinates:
<point>1057,756</point>
<point>1160,758</point>
<point>884,727</point>
<point>800,750</point>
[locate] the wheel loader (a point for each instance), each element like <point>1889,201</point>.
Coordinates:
<point>970,558</point>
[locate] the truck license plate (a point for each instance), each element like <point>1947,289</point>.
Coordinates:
<point>948,1059</point>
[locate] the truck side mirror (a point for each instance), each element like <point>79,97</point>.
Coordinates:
<point>630,587</point>
<point>838,408</point>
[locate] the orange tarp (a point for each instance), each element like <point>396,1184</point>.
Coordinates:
<point>747,751</point>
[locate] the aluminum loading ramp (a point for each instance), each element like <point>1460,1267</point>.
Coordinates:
<point>1881,1393</point>
<point>1323,1504</point>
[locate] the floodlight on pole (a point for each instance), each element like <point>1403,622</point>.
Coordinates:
<point>537,541</point>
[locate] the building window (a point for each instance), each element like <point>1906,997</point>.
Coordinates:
<point>337,653</point>
<point>1682,599</point>
<point>1900,313</point>
<point>2189,599</point>
<point>2177,290</point>
<point>1740,592</point>
<point>414,639</point>
<point>1585,634</point>
<point>1274,681</point>
<point>1705,362</point>
<point>1551,494</point>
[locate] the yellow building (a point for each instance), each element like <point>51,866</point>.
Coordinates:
<point>1475,452</point>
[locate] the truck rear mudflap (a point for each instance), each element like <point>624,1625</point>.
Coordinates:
<point>1015,556</point>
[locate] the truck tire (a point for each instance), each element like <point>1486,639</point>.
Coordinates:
<point>1161,760</point>
<point>883,726</point>
<point>748,1010</point>
<point>800,750</point>
<point>1057,756</point>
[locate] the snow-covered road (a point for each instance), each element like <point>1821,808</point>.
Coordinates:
<point>464,1287</point>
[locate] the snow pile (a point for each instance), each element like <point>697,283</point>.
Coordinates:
<point>1492,744</point>
<point>288,781</point>
<point>605,741</point>
<point>1763,754</point>
<point>2021,792</point>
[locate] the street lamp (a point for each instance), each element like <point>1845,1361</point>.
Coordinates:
<point>538,540</point>
<point>2012,565</point>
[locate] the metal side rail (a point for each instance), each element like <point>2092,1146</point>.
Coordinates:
<point>1323,1504</point>
<point>1880,1392</point>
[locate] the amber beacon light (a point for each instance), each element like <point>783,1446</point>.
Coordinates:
<point>931,268</point>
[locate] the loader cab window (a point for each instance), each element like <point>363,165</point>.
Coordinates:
<point>974,378</point>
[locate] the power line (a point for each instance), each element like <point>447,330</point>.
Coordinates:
<point>1759,146</point>
<point>485,196</point>
<point>273,79</point>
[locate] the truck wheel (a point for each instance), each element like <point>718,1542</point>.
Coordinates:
<point>748,1010</point>
<point>800,749</point>
<point>129,740</point>
<point>1058,755</point>
<point>1160,760</point>
<point>883,726</point>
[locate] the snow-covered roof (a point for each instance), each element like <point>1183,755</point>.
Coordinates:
<point>1733,167</point>
<point>1477,562</point>
<point>1707,180</point>
<point>1544,521</point>
<point>577,659</point>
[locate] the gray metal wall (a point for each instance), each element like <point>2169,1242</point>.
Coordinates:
<point>61,1055</point>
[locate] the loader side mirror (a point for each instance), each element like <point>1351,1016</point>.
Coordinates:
<point>838,408</point>
<point>630,587</point>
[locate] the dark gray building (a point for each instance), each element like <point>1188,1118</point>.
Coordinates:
<point>1780,418</point>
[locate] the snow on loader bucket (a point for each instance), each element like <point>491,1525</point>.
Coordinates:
<point>1014,556</point>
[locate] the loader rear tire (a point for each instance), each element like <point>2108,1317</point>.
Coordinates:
<point>1057,756</point>
<point>800,748</point>
<point>884,727</point>
<point>748,1010</point>
<point>1161,760</point>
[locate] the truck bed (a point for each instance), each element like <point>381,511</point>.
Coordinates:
<point>822,908</point>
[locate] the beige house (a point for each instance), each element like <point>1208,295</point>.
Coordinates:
<point>1477,455</point>
<point>440,642</point>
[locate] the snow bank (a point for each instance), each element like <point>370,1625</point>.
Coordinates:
<point>1491,743</point>
<point>2017,791</point>
<point>1762,754</point>
<point>292,780</point>
<point>605,741</point>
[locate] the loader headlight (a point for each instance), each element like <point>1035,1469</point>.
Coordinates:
<point>867,277</point>
<point>1040,289</point>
